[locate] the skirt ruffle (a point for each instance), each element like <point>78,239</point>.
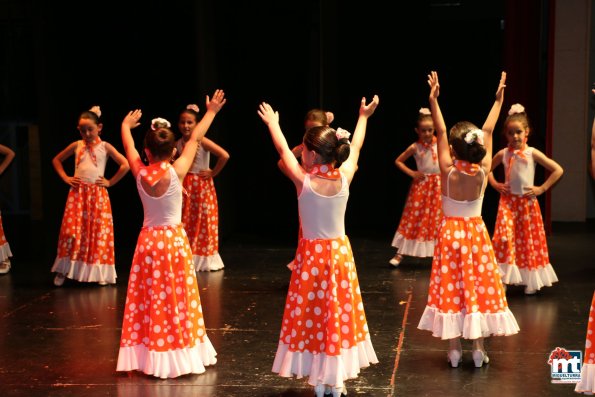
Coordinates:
<point>5,252</point>
<point>416,248</point>
<point>468,325</point>
<point>323,368</point>
<point>167,364</point>
<point>587,382</point>
<point>80,271</point>
<point>208,263</point>
<point>534,279</point>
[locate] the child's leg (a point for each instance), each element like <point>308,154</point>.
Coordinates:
<point>480,356</point>
<point>455,352</point>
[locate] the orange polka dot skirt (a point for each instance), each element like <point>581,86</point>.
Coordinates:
<point>200,216</point>
<point>587,382</point>
<point>86,241</point>
<point>163,330</point>
<point>5,252</point>
<point>466,296</point>
<point>420,220</point>
<point>520,243</point>
<point>324,332</point>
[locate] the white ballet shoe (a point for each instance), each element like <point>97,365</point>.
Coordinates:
<point>339,391</point>
<point>480,358</point>
<point>396,260</point>
<point>321,390</point>
<point>529,291</point>
<point>454,357</point>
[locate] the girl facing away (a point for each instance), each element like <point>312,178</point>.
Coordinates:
<point>200,208</point>
<point>519,237</point>
<point>324,333</point>
<point>420,220</point>
<point>163,330</point>
<point>466,297</point>
<point>86,242</point>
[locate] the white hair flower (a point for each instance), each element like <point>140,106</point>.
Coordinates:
<point>474,136</point>
<point>425,111</point>
<point>342,134</point>
<point>193,106</point>
<point>159,123</point>
<point>516,108</point>
<point>95,109</point>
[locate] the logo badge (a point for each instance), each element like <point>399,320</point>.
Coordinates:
<point>565,365</point>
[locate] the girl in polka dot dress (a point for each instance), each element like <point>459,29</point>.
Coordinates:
<point>200,209</point>
<point>420,220</point>
<point>324,333</point>
<point>86,242</point>
<point>163,330</point>
<point>466,297</point>
<point>519,235</point>
<point>587,382</point>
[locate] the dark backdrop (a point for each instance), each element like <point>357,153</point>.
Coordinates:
<point>296,55</point>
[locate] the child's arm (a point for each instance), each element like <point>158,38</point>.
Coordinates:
<point>8,157</point>
<point>365,111</point>
<point>400,163</point>
<point>57,163</point>
<point>122,162</point>
<point>297,152</point>
<point>219,152</point>
<point>291,166</point>
<point>131,121</point>
<point>183,163</point>
<point>555,170</point>
<point>490,124</point>
<point>502,188</point>
<point>444,158</point>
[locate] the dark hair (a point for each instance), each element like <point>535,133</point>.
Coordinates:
<point>160,142</point>
<point>89,114</point>
<point>191,112</point>
<point>323,140</point>
<point>423,116</point>
<point>521,117</point>
<point>472,152</point>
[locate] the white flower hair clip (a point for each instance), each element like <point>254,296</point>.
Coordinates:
<point>95,109</point>
<point>193,106</point>
<point>159,123</point>
<point>342,134</point>
<point>474,136</point>
<point>425,111</point>
<point>516,108</point>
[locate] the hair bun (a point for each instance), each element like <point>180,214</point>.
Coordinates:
<point>95,109</point>
<point>159,123</point>
<point>516,108</point>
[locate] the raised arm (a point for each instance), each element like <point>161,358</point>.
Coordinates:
<point>444,158</point>
<point>291,167</point>
<point>357,140</point>
<point>490,123</point>
<point>8,157</point>
<point>214,105</point>
<point>131,120</point>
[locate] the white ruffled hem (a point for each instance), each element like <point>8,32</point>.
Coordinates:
<point>534,279</point>
<point>167,364</point>
<point>322,368</point>
<point>208,263</point>
<point>587,383</point>
<point>5,252</point>
<point>80,271</point>
<point>469,326</point>
<point>416,248</point>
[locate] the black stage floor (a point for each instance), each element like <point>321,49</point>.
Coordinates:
<point>64,341</point>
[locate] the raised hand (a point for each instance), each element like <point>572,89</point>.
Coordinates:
<point>131,120</point>
<point>267,114</point>
<point>216,103</point>
<point>501,86</point>
<point>434,85</point>
<point>368,110</point>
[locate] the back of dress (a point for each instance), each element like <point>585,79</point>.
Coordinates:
<point>322,217</point>
<point>165,209</point>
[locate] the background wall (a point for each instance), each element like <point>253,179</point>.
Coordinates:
<point>161,55</point>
